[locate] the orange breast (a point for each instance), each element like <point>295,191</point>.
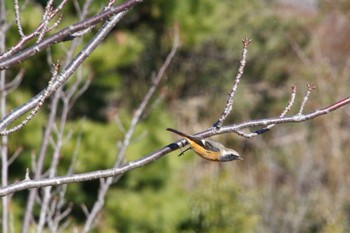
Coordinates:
<point>206,154</point>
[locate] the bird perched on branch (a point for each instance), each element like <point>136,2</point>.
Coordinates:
<point>209,149</point>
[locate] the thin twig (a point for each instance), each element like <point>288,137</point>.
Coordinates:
<point>45,20</point>
<point>310,88</point>
<point>18,19</point>
<point>37,107</point>
<point>15,155</point>
<point>56,24</point>
<point>283,114</point>
<point>229,102</point>
<point>12,85</point>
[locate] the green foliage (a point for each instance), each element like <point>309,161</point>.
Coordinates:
<point>122,49</point>
<point>27,139</point>
<point>199,26</point>
<point>169,195</point>
<point>97,144</point>
<point>271,60</point>
<point>138,208</point>
<point>203,209</point>
<point>219,206</point>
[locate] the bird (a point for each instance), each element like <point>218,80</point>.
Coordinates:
<point>209,149</point>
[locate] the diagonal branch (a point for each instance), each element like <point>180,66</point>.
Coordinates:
<point>152,157</point>
<point>105,184</point>
<point>66,73</point>
<point>9,59</point>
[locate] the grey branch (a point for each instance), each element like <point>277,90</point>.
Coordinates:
<point>8,59</point>
<point>231,95</point>
<point>29,184</point>
<point>66,73</point>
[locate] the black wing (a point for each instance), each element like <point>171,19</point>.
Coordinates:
<point>210,145</point>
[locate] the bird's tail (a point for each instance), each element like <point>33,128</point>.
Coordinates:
<point>179,133</point>
<point>197,140</point>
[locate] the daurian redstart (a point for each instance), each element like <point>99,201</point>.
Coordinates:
<point>209,149</point>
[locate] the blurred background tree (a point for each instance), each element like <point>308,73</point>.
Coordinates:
<point>293,179</point>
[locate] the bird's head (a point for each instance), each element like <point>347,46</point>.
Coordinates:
<point>229,155</point>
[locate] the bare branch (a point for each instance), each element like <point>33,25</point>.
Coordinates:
<point>55,25</point>
<point>37,107</point>
<point>29,184</point>
<point>105,184</point>
<point>18,19</point>
<point>35,33</point>
<point>231,95</point>
<point>141,108</point>
<point>291,101</point>
<point>37,164</point>
<point>47,16</point>
<point>310,88</point>
<point>15,82</point>
<point>4,140</point>
<point>15,155</point>
<point>14,57</point>
<point>283,114</point>
<point>47,197</point>
<point>66,73</point>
